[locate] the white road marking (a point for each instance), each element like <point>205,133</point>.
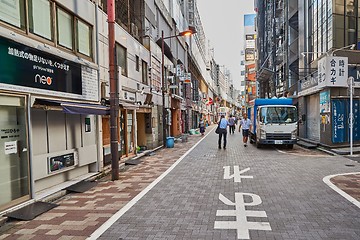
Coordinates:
<point>123,210</point>
<point>302,155</point>
<point>237,173</point>
<point>240,213</point>
<point>338,190</point>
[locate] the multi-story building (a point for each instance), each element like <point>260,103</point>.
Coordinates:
<point>50,91</point>
<point>277,47</point>
<point>250,56</point>
<point>329,30</point>
<point>308,53</point>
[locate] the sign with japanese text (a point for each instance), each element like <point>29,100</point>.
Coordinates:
<point>180,70</point>
<point>333,71</point>
<point>325,101</point>
<point>28,69</point>
<point>25,66</point>
<point>249,54</point>
<point>339,118</point>
<point>186,78</point>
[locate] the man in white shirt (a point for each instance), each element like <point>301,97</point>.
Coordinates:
<point>245,124</point>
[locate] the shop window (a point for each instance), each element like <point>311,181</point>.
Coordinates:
<point>40,18</point>
<point>84,34</point>
<point>121,58</point>
<point>64,29</point>
<point>12,12</point>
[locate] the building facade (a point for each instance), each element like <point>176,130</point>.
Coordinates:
<point>308,53</point>
<point>54,87</point>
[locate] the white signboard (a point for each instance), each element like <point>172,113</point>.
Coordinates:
<point>333,71</point>
<point>180,71</point>
<point>10,147</point>
<point>250,43</point>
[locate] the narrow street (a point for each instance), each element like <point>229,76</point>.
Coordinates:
<point>276,195</point>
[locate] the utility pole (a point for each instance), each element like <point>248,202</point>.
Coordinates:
<point>351,117</point>
<point>114,95</point>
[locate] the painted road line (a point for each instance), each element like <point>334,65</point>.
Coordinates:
<point>338,190</point>
<point>301,155</point>
<point>123,210</point>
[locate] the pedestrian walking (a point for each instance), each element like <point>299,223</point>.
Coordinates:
<point>245,124</point>
<point>202,126</point>
<point>232,124</point>
<point>223,123</point>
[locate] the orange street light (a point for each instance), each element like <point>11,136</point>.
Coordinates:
<point>188,32</point>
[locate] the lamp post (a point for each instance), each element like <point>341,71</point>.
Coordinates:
<point>164,81</point>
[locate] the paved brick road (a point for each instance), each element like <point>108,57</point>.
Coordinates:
<point>184,204</point>
<point>298,204</point>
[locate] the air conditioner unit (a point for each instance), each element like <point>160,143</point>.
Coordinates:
<point>134,30</point>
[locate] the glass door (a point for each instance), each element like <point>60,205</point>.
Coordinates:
<point>14,161</point>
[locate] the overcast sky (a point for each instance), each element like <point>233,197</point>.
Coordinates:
<point>223,23</point>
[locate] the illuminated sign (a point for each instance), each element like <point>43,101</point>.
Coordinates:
<point>25,66</point>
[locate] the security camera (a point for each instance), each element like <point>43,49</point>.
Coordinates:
<point>352,47</point>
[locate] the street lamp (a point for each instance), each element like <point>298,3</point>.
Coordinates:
<point>351,47</point>
<point>164,82</point>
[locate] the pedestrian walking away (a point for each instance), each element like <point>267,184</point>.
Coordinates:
<point>202,126</point>
<point>245,124</point>
<point>232,124</point>
<point>222,130</point>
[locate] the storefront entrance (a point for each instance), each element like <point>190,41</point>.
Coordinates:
<point>14,160</point>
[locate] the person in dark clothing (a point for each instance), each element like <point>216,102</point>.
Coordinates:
<point>223,130</point>
<point>231,124</point>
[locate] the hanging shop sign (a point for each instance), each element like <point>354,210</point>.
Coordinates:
<point>333,72</point>
<point>24,68</point>
<point>249,54</point>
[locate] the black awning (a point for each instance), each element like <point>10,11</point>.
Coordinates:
<point>264,74</point>
<point>75,107</point>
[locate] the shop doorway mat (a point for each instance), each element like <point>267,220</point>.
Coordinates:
<point>81,187</point>
<point>132,162</point>
<point>31,211</point>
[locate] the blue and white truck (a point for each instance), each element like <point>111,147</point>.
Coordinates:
<point>274,121</point>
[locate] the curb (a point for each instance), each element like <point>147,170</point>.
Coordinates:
<point>338,190</point>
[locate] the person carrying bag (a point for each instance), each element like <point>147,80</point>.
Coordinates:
<point>222,130</point>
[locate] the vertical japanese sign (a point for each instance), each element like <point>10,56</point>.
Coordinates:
<point>356,113</point>
<point>180,71</point>
<point>333,71</point>
<point>339,118</point>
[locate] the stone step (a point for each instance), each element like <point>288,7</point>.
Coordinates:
<point>306,144</point>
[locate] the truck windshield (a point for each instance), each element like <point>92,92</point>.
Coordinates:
<point>278,114</point>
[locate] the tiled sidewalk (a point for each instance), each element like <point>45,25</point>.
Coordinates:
<point>80,214</point>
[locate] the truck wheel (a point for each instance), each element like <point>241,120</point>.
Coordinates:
<point>290,146</point>
<point>258,145</point>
